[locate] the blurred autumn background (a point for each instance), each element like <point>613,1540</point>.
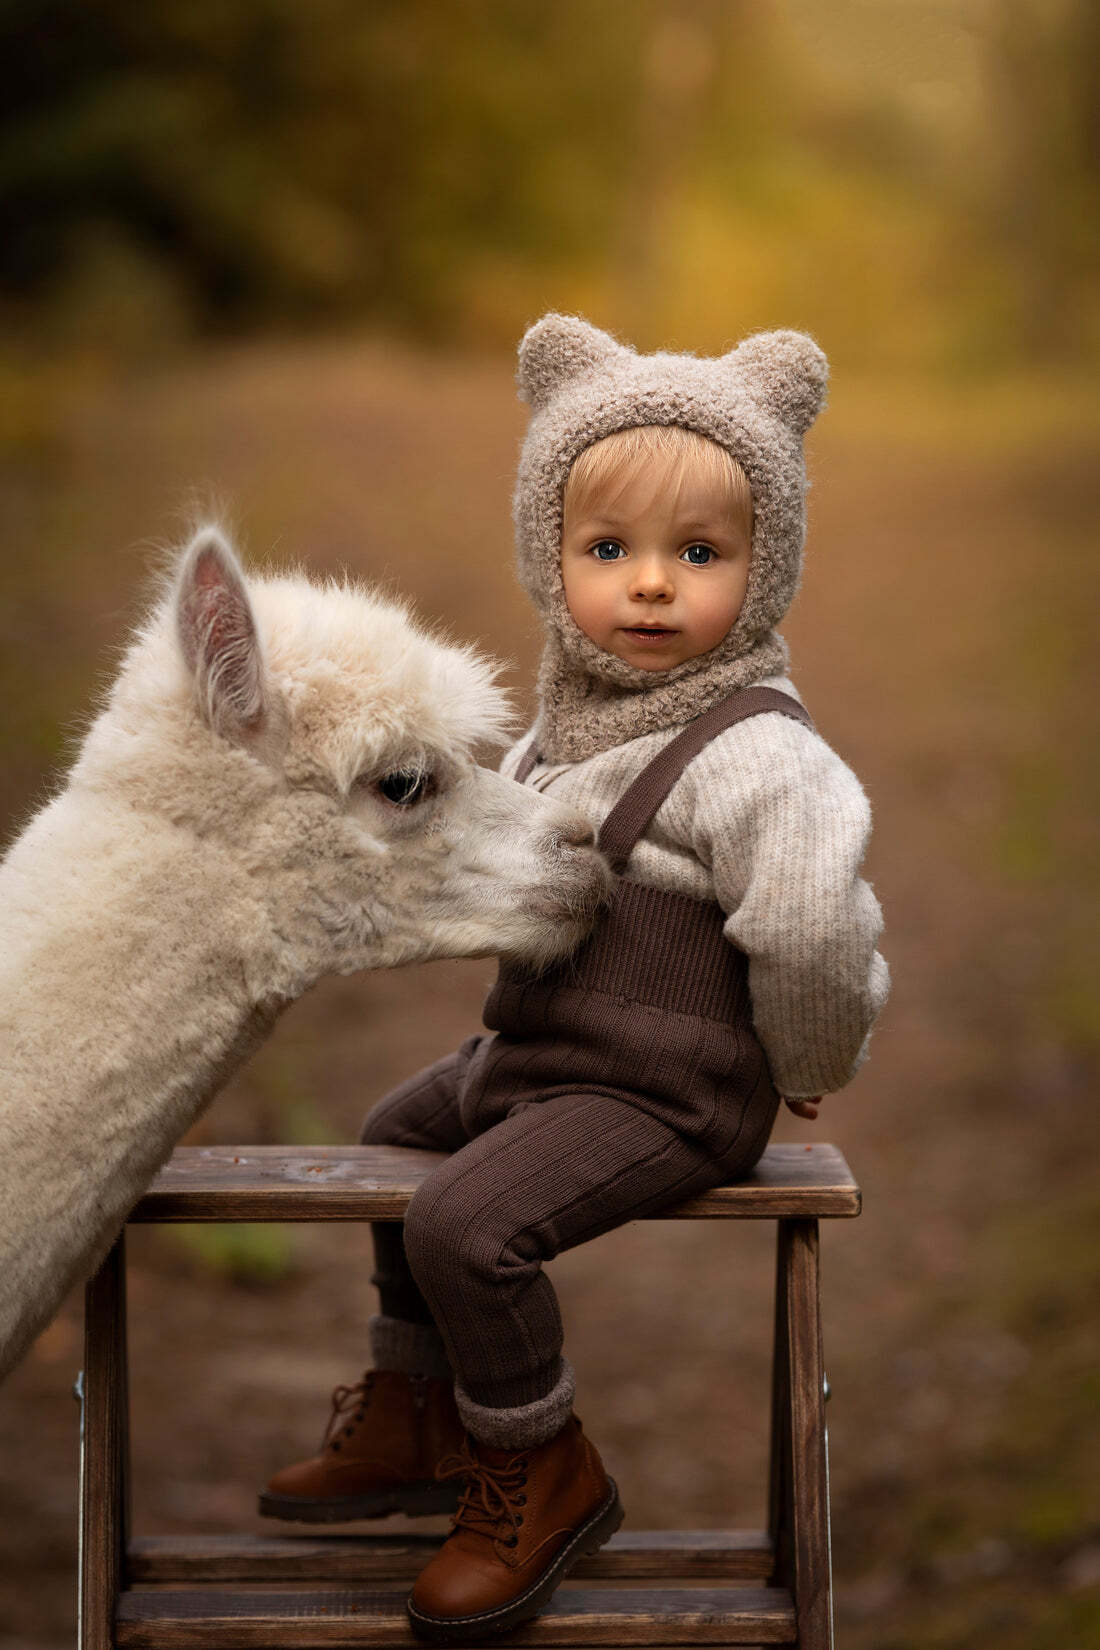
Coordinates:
<point>278,255</point>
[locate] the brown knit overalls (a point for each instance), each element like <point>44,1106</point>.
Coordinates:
<point>622,1079</point>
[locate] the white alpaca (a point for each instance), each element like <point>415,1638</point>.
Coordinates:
<point>280,786</point>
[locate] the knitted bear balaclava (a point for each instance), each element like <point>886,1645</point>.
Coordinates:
<point>756,402</point>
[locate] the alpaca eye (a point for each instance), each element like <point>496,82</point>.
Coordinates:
<point>405,787</point>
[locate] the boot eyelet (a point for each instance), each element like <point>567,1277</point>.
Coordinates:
<point>348,1431</point>
<point>521,1501</point>
<point>336,1443</point>
<point>511,1541</point>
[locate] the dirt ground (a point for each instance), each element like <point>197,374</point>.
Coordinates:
<point>943,641</point>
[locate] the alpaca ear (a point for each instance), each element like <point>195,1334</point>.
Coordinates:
<point>786,372</point>
<point>218,636</point>
<point>558,348</point>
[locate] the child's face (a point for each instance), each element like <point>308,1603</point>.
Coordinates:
<point>653,573</point>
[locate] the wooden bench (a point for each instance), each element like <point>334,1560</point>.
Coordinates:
<point>227,1592</point>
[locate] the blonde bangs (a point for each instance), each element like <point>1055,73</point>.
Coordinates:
<point>673,452</point>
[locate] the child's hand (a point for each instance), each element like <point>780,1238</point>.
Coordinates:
<point>804,1108</point>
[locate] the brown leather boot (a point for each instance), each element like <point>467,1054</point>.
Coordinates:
<point>524,1519</point>
<point>384,1439</point>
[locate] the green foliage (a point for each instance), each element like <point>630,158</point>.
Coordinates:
<point>679,167</point>
<point>1024,846</point>
<point>241,1252</point>
<point>974,1618</point>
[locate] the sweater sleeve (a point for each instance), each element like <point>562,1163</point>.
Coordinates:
<point>785,823</point>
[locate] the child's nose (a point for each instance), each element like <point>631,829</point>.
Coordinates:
<point>651,579</point>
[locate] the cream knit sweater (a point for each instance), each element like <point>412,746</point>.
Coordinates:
<point>769,822</point>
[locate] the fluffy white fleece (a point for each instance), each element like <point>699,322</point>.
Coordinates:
<point>281,785</point>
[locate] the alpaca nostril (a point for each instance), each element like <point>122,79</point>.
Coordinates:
<point>578,834</point>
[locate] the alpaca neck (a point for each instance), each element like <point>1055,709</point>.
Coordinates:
<point>126,1001</point>
<point>135,960</point>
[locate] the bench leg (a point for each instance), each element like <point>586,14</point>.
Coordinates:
<point>104,1475</point>
<point>799,1488</point>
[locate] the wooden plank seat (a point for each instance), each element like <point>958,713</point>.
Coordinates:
<point>229,1592</point>
<point>201,1183</point>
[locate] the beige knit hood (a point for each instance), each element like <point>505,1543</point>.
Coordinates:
<point>756,402</point>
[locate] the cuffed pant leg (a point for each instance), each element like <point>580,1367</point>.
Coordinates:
<point>550,1176</point>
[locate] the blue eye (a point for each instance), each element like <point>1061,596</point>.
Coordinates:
<point>698,555</point>
<point>607,550</point>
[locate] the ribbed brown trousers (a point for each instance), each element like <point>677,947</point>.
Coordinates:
<point>620,1081</point>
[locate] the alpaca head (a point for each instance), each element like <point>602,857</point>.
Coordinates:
<point>316,749</point>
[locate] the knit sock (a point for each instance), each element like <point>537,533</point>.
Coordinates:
<point>412,1348</point>
<point>522,1426</point>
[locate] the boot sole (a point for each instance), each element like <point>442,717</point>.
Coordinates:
<point>589,1538</point>
<point>415,1500</point>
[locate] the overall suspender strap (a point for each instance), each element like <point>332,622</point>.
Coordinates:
<point>527,762</point>
<point>640,801</point>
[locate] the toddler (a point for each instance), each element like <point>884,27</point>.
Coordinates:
<point>660,519</point>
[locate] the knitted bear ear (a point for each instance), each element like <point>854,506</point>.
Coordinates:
<point>559,348</point>
<point>786,372</point>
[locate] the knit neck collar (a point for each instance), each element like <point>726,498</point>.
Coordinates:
<point>587,706</point>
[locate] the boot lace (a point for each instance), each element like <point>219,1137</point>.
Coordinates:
<point>491,1495</point>
<point>347,1401</point>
